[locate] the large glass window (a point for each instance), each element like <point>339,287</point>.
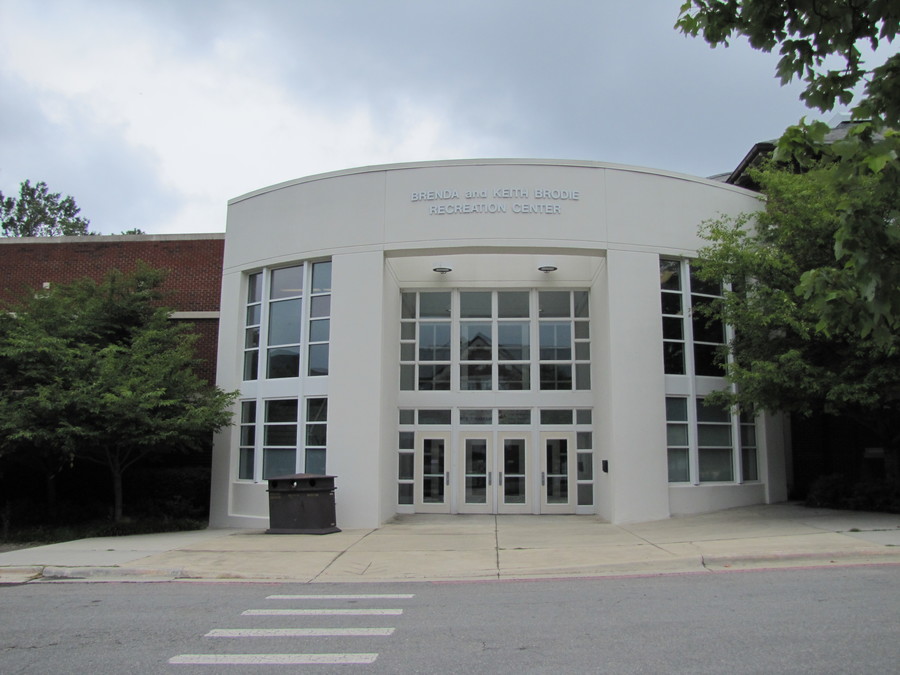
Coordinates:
<point>684,325</point>
<point>316,435</point>
<point>677,440</point>
<point>278,323</point>
<point>494,332</point>
<point>280,438</point>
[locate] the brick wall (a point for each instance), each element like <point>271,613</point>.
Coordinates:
<point>194,263</point>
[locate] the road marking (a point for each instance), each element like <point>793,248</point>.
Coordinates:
<point>376,596</point>
<point>270,659</point>
<point>322,612</point>
<point>299,632</point>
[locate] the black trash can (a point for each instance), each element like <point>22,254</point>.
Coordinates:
<point>302,503</point>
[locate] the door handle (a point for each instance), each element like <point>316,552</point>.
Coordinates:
<point>500,478</point>
<point>489,477</point>
<point>543,476</point>
<point>447,477</point>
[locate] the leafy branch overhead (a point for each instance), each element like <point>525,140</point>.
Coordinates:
<point>37,212</point>
<point>822,42</point>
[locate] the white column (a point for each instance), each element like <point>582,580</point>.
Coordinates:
<point>633,417</point>
<point>355,387</point>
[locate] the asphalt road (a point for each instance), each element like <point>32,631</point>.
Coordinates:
<point>830,620</point>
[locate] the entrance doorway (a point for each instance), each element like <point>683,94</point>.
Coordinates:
<point>494,471</point>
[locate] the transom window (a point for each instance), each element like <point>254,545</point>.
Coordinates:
<point>476,340</point>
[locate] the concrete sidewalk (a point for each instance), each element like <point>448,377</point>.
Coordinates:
<point>444,548</point>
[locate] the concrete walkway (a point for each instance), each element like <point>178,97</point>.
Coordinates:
<point>445,548</point>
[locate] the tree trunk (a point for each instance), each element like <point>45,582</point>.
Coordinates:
<point>117,493</point>
<point>50,493</point>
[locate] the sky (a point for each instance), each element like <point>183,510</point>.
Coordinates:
<point>152,114</point>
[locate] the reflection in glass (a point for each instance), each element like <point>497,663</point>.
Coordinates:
<point>512,341</point>
<point>279,462</point>
<point>315,461</point>
<point>284,322</point>
<point>476,471</point>
<point>318,360</point>
<point>286,282</point>
<point>475,341</point>
<point>321,277</point>
<point>284,362</point>
<point>514,471</point>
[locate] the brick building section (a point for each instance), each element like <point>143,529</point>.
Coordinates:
<point>192,287</point>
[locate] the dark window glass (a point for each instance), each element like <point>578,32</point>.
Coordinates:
<point>556,376</point>
<point>512,304</point>
<point>671,303</point>
<point>434,417</point>
<point>705,361</point>
<point>551,416</point>
<point>475,305</point>
<point>434,305</point>
<point>281,410</point>
<point>554,304</point>
<point>673,358</point>
<point>284,362</point>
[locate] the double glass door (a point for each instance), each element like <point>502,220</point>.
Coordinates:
<point>494,475</point>
<point>495,472</point>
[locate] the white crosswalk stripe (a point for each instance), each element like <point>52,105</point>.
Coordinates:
<point>299,632</point>
<point>322,612</point>
<point>271,659</point>
<point>370,596</point>
<point>337,658</point>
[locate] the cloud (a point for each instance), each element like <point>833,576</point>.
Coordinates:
<point>155,113</point>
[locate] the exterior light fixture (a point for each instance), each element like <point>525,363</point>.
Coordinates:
<point>441,269</point>
<point>546,269</point>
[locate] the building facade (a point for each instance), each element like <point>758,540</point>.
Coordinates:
<point>488,336</point>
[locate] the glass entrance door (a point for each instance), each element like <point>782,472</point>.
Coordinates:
<point>477,482</point>
<point>493,476</point>
<point>557,472</point>
<point>514,477</point>
<point>432,483</point>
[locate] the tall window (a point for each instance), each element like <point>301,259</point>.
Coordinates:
<point>494,332</point>
<point>690,340</point>
<point>277,324</point>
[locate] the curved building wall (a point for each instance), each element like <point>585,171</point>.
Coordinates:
<point>457,376</point>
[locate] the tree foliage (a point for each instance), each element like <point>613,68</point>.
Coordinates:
<point>779,359</point>
<point>820,42</point>
<point>97,372</point>
<point>37,212</point>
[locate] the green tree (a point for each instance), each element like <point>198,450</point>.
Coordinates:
<point>821,42</point>
<point>779,359</point>
<point>97,372</point>
<point>37,212</point>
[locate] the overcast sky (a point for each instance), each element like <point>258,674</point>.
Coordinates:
<point>153,113</point>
